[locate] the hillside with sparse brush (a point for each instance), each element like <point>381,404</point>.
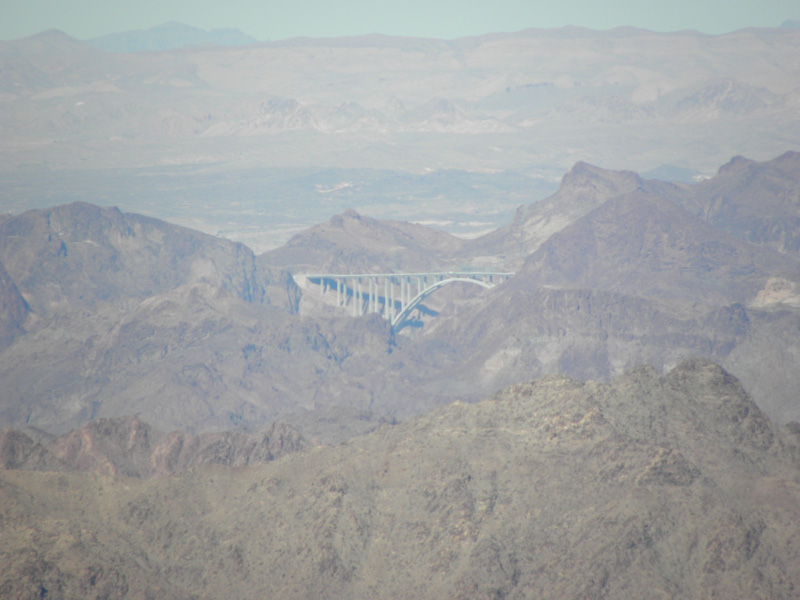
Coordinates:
<point>672,486</point>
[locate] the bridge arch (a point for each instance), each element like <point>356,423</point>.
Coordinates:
<point>416,300</point>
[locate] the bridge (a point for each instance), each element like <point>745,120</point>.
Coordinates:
<point>401,293</point>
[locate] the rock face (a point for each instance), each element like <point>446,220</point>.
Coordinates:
<point>648,246</point>
<point>756,202</point>
<point>583,188</point>
<point>114,308</point>
<point>13,309</point>
<point>671,486</point>
<point>129,447</point>
<point>356,244</point>
<point>79,255</point>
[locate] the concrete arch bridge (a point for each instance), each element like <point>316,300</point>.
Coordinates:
<point>394,295</point>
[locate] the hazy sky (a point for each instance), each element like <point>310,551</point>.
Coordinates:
<point>272,19</point>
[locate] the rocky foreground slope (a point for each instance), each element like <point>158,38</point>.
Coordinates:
<point>673,486</point>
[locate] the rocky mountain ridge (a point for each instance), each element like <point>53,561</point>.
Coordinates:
<point>208,103</point>
<point>613,271</point>
<point>128,447</point>
<point>169,36</point>
<point>647,485</point>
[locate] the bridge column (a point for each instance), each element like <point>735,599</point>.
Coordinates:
<point>338,292</point>
<point>401,292</point>
<point>386,298</point>
<point>391,292</point>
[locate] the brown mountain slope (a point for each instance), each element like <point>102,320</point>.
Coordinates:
<point>628,278</point>
<point>130,315</point>
<point>194,358</point>
<point>129,447</point>
<point>651,486</point>
<point>78,255</point>
<point>585,333</point>
<point>13,309</point>
<point>632,277</point>
<point>520,329</point>
<point>352,243</point>
<point>582,189</point>
<point>755,201</point>
<point>647,245</point>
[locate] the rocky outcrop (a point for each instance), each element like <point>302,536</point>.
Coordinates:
<point>79,255</point>
<point>129,447</point>
<point>13,309</point>
<point>645,486</point>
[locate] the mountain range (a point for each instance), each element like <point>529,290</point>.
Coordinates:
<point>185,412</point>
<point>531,102</point>
<point>673,486</point>
<point>168,36</point>
<point>261,141</point>
<point>107,314</point>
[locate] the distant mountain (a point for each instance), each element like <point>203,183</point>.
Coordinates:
<point>582,189</point>
<point>673,486</point>
<point>110,314</point>
<point>618,270</point>
<point>79,255</point>
<point>169,36</point>
<point>46,61</point>
<point>350,242</point>
<point>756,202</point>
<point>534,101</point>
<point>728,97</point>
<point>649,246</point>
